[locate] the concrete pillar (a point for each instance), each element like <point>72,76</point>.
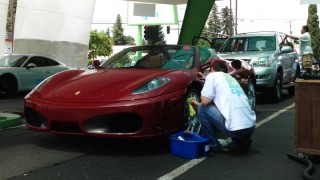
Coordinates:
<point>56,28</point>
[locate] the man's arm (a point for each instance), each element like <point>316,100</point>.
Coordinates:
<point>205,101</point>
<point>293,37</point>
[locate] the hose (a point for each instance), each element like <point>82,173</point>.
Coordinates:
<point>303,159</point>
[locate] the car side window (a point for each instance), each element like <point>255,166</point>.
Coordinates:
<point>42,61</point>
<point>49,62</point>
<point>35,60</point>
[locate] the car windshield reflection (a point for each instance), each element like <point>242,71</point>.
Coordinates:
<point>256,43</point>
<point>158,57</point>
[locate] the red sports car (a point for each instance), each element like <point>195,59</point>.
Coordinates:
<point>139,92</point>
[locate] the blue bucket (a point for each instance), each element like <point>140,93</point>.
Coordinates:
<point>189,145</point>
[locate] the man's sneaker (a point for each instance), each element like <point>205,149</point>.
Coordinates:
<point>240,148</point>
<point>214,149</point>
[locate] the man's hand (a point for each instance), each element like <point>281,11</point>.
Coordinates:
<point>194,103</point>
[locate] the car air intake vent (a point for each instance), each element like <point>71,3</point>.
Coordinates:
<point>247,60</point>
<point>114,123</point>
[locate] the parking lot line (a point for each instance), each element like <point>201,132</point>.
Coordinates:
<point>269,118</point>
<point>185,167</point>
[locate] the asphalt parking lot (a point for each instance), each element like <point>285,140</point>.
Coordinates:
<point>30,155</point>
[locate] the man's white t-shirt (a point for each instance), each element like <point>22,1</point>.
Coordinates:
<point>230,99</point>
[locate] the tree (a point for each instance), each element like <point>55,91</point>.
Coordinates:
<point>214,23</point>
<point>117,33</point>
<point>313,24</point>
<point>108,32</point>
<point>130,40</point>
<point>11,15</point>
<point>99,44</point>
<point>227,21</point>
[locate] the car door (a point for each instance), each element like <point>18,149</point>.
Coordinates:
<point>36,70</point>
<point>287,60</point>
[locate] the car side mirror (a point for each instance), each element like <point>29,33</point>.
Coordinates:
<point>31,65</point>
<point>286,49</point>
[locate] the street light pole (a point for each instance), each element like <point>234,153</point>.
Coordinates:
<point>290,32</point>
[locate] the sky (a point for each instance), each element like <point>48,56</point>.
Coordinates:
<point>253,15</point>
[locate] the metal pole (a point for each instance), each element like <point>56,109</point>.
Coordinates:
<point>290,29</point>
<point>236,27</point>
<point>12,25</point>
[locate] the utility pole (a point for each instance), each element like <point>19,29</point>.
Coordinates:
<point>236,19</point>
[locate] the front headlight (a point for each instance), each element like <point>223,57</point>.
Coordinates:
<point>152,85</point>
<point>262,61</point>
<point>42,84</point>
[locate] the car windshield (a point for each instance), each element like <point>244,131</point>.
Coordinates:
<point>12,60</point>
<point>159,57</point>
<point>254,43</point>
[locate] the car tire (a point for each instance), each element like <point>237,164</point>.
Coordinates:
<point>276,90</point>
<point>298,74</point>
<point>291,90</point>
<point>8,85</point>
<point>194,93</point>
<point>251,93</point>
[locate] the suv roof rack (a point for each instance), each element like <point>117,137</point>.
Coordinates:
<point>260,32</point>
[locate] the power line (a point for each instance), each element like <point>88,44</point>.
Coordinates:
<point>266,19</point>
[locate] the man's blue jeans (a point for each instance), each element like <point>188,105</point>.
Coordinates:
<point>213,121</point>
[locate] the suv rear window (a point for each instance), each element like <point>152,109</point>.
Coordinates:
<point>255,43</point>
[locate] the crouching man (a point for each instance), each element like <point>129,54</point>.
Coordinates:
<point>224,107</point>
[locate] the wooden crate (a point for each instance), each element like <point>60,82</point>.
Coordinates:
<point>307,116</point>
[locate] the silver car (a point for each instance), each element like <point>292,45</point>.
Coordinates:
<point>22,72</point>
<point>273,57</point>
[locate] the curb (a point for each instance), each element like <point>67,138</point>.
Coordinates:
<point>9,120</point>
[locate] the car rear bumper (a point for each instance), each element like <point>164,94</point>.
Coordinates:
<point>126,119</point>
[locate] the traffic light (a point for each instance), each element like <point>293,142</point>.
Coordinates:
<point>147,32</point>
<point>168,29</point>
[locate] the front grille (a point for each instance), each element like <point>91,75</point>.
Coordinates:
<point>66,127</point>
<point>114,123</point>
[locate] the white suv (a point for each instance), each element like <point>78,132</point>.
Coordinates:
<point>273,57</point>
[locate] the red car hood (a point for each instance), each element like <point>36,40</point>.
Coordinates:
<point>108,84</point>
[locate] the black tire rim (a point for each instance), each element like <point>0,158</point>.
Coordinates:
<point>278,88</point>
